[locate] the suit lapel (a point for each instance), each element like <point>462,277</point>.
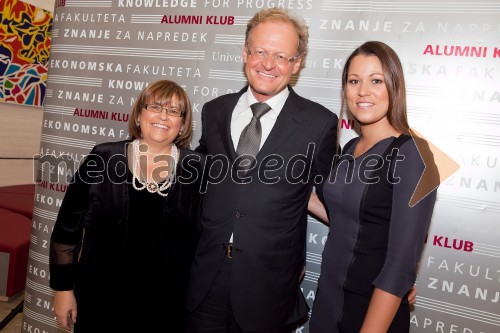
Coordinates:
<point>288,121</point>
<point>224,122</point>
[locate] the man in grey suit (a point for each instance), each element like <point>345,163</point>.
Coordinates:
<point>249,260</point>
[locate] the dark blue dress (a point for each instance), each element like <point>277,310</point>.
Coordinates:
<point>375,237</point>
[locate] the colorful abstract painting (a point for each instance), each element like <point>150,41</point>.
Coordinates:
<point>25,35</point>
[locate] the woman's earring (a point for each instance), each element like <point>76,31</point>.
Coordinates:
<point>180,132</point>
<point>138,123</point>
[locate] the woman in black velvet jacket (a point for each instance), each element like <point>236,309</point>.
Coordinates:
<point>127,228</point>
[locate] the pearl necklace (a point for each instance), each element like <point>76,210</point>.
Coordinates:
<point>152,186</point>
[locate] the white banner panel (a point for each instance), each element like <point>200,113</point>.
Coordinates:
<point>104,52</point>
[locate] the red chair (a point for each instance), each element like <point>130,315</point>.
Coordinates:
<point>18,199</point>
<point>15,231</point>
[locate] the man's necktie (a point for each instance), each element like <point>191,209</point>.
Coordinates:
<point>249,143</point>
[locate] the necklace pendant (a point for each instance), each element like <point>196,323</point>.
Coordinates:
<point>152,187</point>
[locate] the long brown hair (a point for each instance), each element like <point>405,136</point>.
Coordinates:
<point>162,91</point>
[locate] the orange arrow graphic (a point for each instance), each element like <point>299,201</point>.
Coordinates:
<point>438,167</point>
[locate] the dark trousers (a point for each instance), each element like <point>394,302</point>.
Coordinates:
<point>215,315</point>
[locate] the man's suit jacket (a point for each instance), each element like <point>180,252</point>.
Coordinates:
<point>267,216</point>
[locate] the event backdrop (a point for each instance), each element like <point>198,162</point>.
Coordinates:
<point>105,52</point>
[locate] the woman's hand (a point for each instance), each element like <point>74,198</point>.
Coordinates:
<point>381,311</point>
<point>65,308</point>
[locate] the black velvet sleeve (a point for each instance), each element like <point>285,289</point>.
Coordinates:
<point>67,235</point>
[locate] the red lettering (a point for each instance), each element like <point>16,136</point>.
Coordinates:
<point>459,246</point>
<point>496,53</point>
<point>222,20</point>
<point>469,246</point>
<point>347,123</point>
<point>428,49</point>
<point>455,244</point>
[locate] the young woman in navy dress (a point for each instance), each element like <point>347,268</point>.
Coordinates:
<point>378,221</point>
